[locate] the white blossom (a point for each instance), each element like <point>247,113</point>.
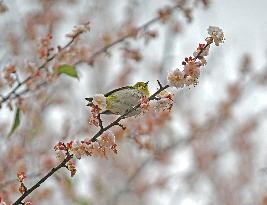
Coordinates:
<point>176,78</point>
<point>100,101</point>
<point>217,34</point>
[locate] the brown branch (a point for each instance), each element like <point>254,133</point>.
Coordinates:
<point>11,181</point>
<point>94,138</point>
<point>69,156</point>
<point>117,121</point>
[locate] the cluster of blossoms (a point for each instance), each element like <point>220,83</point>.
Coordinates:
<point>164,101</point>
<point>45,47</point>
<point>145,104</point>
<point>98,105</point>
<point>191,65</point>
<point>9,74</point>
<point>87,147</point>
<point>62,150</point>
<point>21,177</point>
<point>216,35</point>
<point>99,147</point>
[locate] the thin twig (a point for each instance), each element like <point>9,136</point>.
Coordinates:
<point>100,121</point>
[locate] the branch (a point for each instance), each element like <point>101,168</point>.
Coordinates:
<point>11,181</point>
<point>123,38</point>
<point>42,180</point>
<point>117,121</point>
<point>69,156</point>
<point>42,66</point>
<point>91,58</point>
<point>94,138</point>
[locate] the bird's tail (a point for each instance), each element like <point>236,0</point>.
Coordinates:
<point>90,101</point>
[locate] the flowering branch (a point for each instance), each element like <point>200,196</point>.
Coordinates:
<point>42,180</point>
<point>162,16</point>
<point>20,83</point>
<point>177,79</point>
<point>117,121</point>
<point>70,156</point>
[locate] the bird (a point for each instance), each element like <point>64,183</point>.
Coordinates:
<point>122,99</point>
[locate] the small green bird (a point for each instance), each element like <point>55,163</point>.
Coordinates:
<point>122,99</point>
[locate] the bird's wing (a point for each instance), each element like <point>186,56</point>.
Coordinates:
<point>118,89</point>
<point>90,100</point>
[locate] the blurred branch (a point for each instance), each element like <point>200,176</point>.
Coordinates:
<point>130,35</point>
<point>97,53</point>
<point>14,93</point>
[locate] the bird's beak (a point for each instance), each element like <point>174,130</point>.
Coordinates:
<point>147,82</point>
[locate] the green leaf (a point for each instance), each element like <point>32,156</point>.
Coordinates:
<point>68,70</point>
<point>15,123</point>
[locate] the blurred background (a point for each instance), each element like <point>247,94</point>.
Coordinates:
<point>210,149</point>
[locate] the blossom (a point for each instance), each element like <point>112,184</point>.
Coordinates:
<point>78,30</point>
<point>60,155</point>
<point>202,50</point>
<point>45,48</point>
<point>99,104</point>
<point>21,176</point>
<point>22,188</point>
<point>107,139</point>
<point>192,68</point>
<point>9,74</point>
<point>60,146</point>
<point>144,103</point>
<point>71,167</point>
<point>100,101</point>
<point>165,101</point>
<point>176,78</point>
<point>97,148</point>
<point>94,118</point>
<point>216,34</point>
<point>189,80</point>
